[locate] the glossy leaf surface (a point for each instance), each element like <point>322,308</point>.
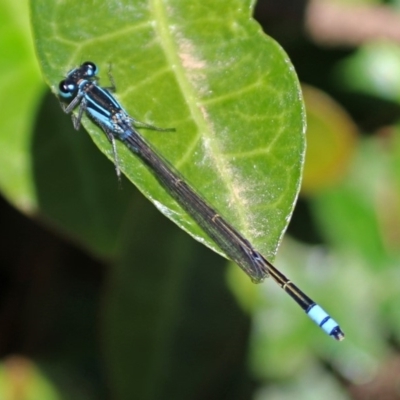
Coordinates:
<point>207,70</point>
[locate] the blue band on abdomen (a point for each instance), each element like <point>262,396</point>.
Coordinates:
<point>322,319</point>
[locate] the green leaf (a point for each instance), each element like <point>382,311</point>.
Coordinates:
<point>20,375</point>
<point>348,213</point>
<point>208,70</point>
<point>21,88</point>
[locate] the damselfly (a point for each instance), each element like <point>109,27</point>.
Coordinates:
<point>82,89</point>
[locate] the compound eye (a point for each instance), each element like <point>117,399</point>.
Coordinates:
<point>90,69</point>
<point>67,88</point>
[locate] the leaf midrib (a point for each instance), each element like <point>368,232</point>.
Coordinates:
<point>171,52</point>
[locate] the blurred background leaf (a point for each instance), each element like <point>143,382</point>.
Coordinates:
<point>19,74</point>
